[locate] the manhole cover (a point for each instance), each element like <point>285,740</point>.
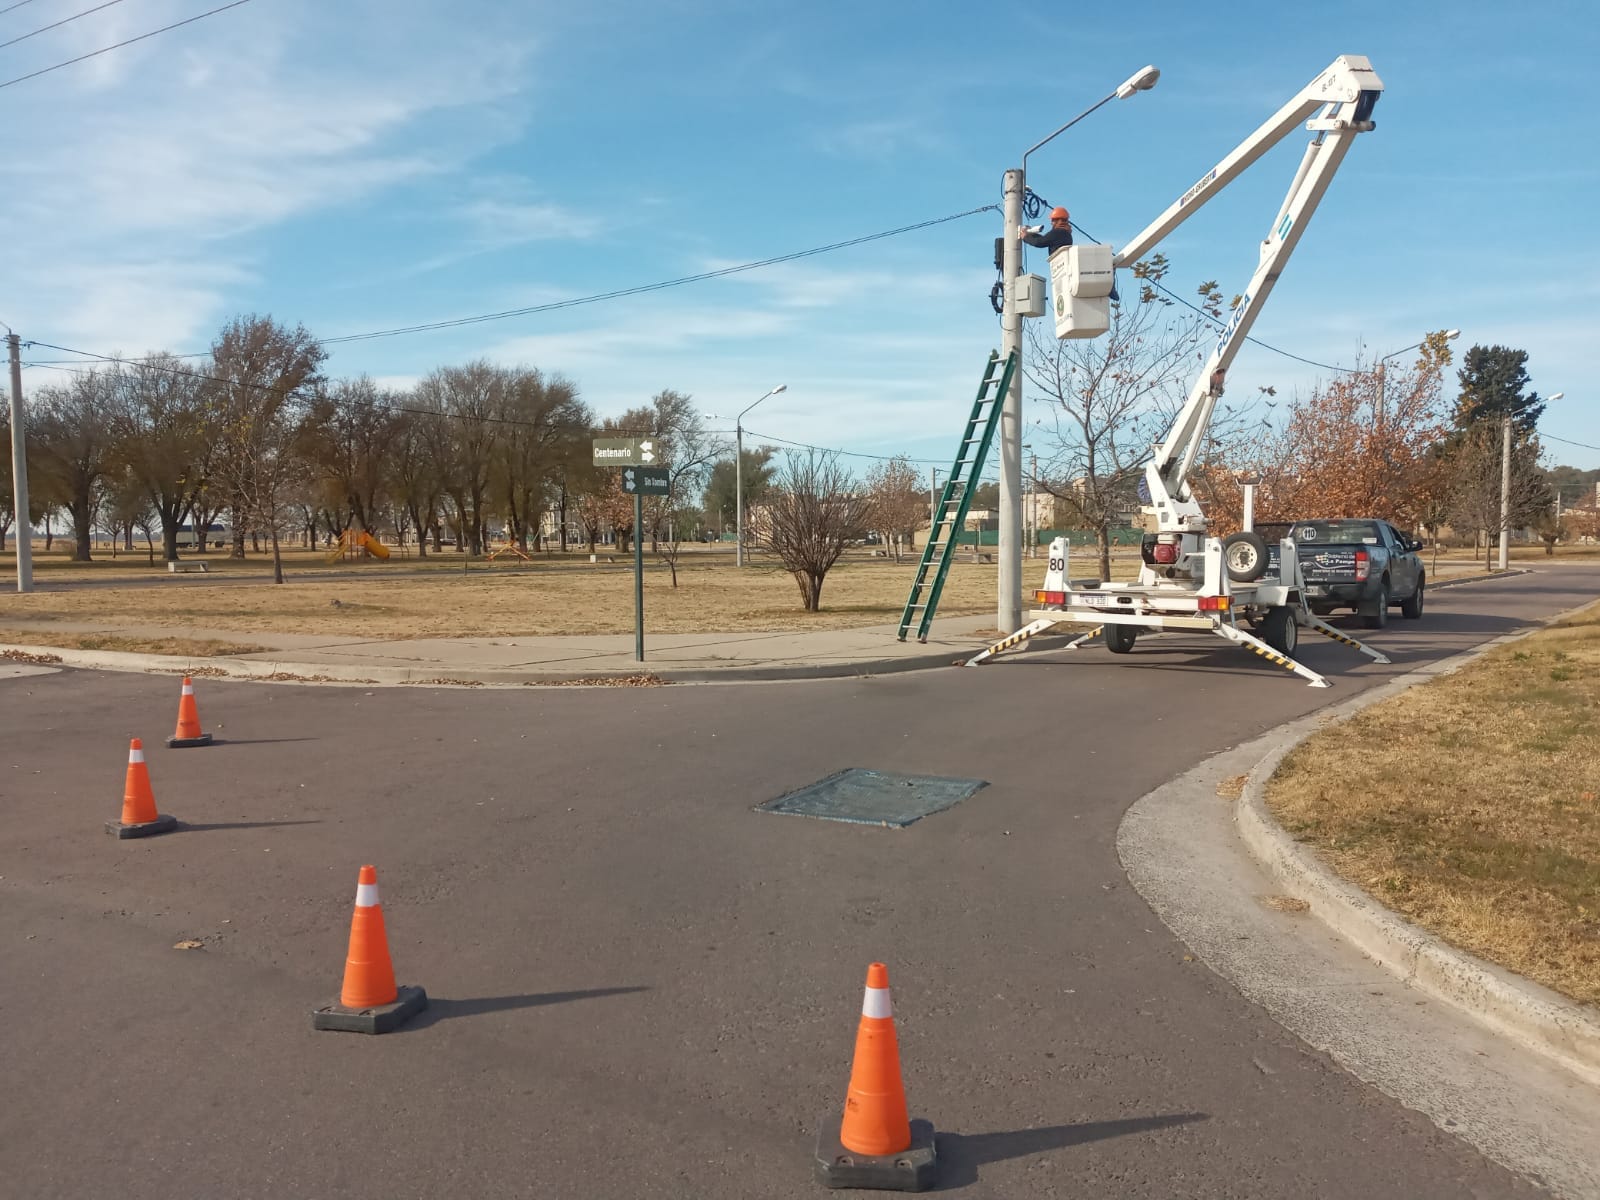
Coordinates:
<point>874,797</point>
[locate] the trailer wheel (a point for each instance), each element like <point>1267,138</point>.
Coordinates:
<point>1279,631</point>
<point>1245,556</point>
<point>1120,638</point>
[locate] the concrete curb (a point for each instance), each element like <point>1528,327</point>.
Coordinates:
<point>1529,1014</point>
<point>333,675</point>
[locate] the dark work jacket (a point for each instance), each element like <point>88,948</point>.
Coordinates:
<point>1050,239</point>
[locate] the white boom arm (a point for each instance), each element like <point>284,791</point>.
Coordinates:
<point>1345,93</point>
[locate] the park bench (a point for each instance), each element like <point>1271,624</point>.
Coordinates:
<point>174,566</point>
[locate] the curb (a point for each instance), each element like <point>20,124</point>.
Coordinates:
<point>328,674</point>
<point>1525,1012</point>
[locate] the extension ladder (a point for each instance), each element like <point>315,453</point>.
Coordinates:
<point>956,498</point>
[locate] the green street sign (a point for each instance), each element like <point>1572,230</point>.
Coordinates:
<point>646,481</point>
<point>624,452</point>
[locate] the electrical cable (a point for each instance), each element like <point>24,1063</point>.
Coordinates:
<point>18,4</point>
<point>119,45</point>
<point>1566,441</point>
<point>647,287</point>
<point>58,24</point>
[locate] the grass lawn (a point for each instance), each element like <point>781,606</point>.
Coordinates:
<point>439,599</point>
<point>1471,805</point>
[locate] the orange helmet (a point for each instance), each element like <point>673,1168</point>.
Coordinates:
<point>1058,214</point>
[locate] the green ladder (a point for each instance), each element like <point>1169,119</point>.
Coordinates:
<point>956,498</point>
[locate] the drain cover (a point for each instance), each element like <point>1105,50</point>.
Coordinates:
<point>874,797</point>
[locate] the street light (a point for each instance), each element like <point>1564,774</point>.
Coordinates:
<point>1008,614</point>
<point>738,478</point>
<point>1505,484</point>
<point>1450,335</point>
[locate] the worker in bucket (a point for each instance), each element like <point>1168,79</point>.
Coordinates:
<point>1059,234</point>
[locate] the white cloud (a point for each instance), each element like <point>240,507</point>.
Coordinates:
<point>136,180</point>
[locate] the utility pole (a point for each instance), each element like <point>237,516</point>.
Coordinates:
<point>1008,596</point>
<point>19,470</point>
<point>1505,491</point>
<point>738,494</point>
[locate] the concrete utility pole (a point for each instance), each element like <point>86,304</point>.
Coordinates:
<point>738,477</point>
<point>1505,491</point>
<point>19,470</point>
<point>1008,607</point>
<point>1008,594</point>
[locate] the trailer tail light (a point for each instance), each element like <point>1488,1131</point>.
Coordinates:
<point>1050,597</point>
<point>1214,604</point>
<point>1363,565</point>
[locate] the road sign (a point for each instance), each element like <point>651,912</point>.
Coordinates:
<point>646,481</point>
<point>624,452</point>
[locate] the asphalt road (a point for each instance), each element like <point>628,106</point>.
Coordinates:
<point>640,987</point>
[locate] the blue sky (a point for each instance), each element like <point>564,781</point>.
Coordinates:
<point>362,166</point>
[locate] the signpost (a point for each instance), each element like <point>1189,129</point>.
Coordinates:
<point>639,479</point>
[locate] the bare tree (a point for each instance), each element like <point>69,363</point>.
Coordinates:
<point>73,441</point>
<point>350,433</point>
<point>1110,397</point>
<point>813,512</point>
<point>543,420</point>
<point>898,502</point>
<point>257,368</point>
<point>1475,471</point>
<point>161,438</point>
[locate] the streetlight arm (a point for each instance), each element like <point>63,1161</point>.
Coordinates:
<point>782,387</point>
<point>1140,81</point>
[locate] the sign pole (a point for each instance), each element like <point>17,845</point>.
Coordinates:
<point>638,576</point>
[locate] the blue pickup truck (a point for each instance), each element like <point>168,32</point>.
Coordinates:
<point>1358,563</point>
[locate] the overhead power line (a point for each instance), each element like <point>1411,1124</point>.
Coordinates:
<point>649,287</point>
<point>58,24</point>
<point>119,45</point>
<point>18,4</point>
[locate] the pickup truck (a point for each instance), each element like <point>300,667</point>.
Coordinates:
<point>1358,563</point>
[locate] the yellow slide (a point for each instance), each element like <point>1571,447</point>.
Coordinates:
<point>373,546</point>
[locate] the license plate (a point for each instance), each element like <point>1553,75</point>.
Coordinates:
<point>1093,599</point>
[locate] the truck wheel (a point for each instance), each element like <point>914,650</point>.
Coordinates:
<point>1120,638</point>
<point>1279,631</point>
<point>1322,610</point>
<point>1245,556</point>
<point>1377,616</point>
<point>1411,606</point>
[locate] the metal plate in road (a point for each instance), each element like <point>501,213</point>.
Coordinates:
<point>624,452</point>
<point>874,797</point>
<point>647,481</point>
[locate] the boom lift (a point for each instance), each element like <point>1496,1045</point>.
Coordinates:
<point>1190,580</point>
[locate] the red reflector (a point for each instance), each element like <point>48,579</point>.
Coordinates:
<point>1050,597</point>
<point>1214,603</point>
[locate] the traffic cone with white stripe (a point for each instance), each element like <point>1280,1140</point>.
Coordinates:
<point>188,732</point>
<point>874,1144</point>
<point>139,815</point>
<point>369,1002</point>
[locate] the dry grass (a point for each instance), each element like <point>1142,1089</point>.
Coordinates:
<point>178,646</point>
<point>1471,805</point>
<point>571,598</point>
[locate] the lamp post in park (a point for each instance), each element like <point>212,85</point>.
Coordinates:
<point>1505,484</point>
<point>1008,609</point>
<point>738,477</point>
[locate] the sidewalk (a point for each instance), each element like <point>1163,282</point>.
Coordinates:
<point>680,658</point>
<point>525,661</point>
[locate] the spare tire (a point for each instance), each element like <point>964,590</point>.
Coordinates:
<point>1245,556</point>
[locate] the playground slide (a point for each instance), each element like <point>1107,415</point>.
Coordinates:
<point>373,546</point>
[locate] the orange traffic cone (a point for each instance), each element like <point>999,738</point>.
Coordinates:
<point>139,815</point>
<point>188,733</point>
<point>874,1145</point>
<point>369,1001</point>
